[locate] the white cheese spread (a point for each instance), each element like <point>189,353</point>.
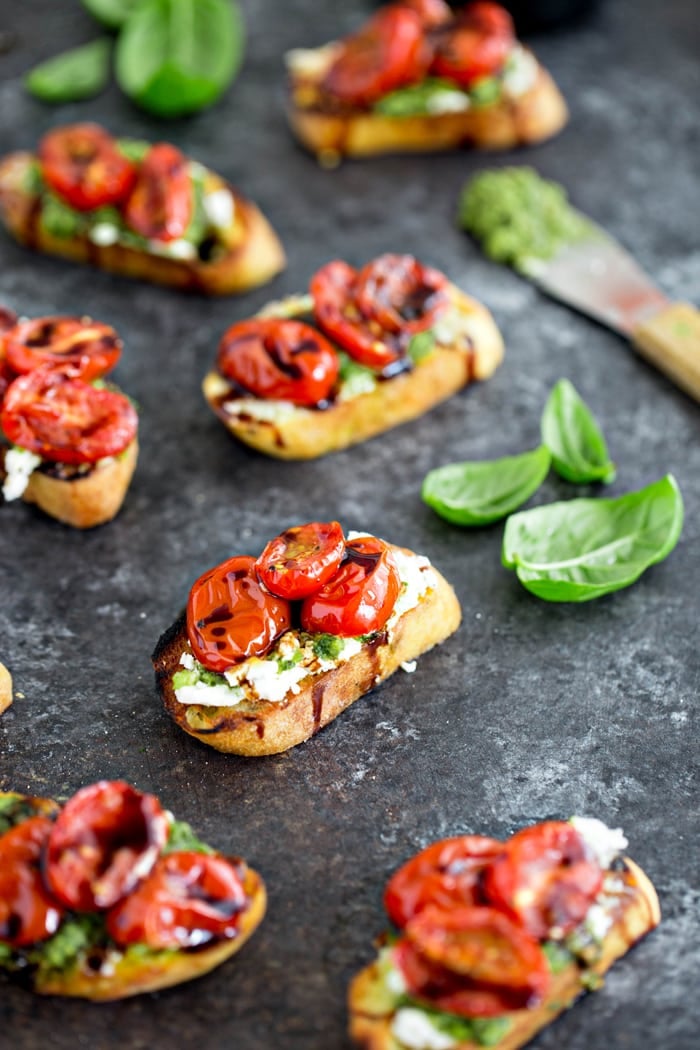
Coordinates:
<point>20,463</point>
<point>520,72</point>
<point>447,102</point>
<point>104,234</point>
<point>605,843</point>
<point>414,1029</point>
<point>219,208</point>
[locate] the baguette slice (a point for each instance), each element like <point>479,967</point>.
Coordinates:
<point>262,727</point>
<point>253,252</point>
<point>332,132</point>
<point>85,500</point>
<point>635,911</point>
<point>5,688</point>
<point>303,433</point>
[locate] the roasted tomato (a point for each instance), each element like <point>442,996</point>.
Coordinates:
<point>476,45</point>
<point>187,900</point>
<point>105,840</point>
<point>279,359</point>
<point>65,419</point>
<point>302,559</point>
<point>545,878</point>
<point>374,313</point>
<point>83,165</point>
<point>89,347</point>
<point>161,204</point>
<point>446,874</point>
<point>388,52</point>
<point>27,912</point>
<point>432,12</point>
<point>8,320</point>
<point>360,597</point>
<point>231,617</point>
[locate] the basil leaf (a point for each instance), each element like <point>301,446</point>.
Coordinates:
<point>76,74</point>
<point>182,837</point>
<point>584,548</point>
<point>112,13</point>
<point>571,433</point>
<point>177,56</point>
<point>477,493</point>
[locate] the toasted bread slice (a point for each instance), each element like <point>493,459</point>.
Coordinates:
<point>634,908</point>
<point>250,252</point>
<point>262,727</point>
<point>473,353</point>
<point>84,500</point>
<point>331,132</point>
<point>5,688</point>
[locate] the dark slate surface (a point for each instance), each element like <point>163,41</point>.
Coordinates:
<point>531,709</point>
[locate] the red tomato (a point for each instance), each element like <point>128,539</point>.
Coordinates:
<point>8,319</point>
<point>279,359</point>
<point>545,878</point>
<point>65,419</point>
<point>27,912</point>
<point>432,12</point>
<point>360,597</point>
<point>388,52</point>
<point>476,45</point>
<point>105,840</point>
<point>231,617</point>
<point>161,203</point>
<point>446,874</point>
<point>89,347</point>
<point>83,165</point>
<point>302,559</point>
<point>188,900</point>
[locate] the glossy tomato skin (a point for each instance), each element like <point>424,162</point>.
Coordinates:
<point>360,597</point>
<point>432,13</point>
<point>301,559</point>
<point>388,52</point>
<point>188,900</point>
<point>475,45</point>
<point>279,359</point>
<point>64,419</point>
<point>105,840</point>
<point>161,203</point>
<point>83,165</point>
<point>545,878</point>
<point>90,348</point>
<point>446,874</point>
<point>27,911</point>
<point>230,616</point>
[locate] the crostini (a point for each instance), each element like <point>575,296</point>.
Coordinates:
<point>146,905</point>
<point>419,77</point>
<point>270,650</point>
<point>5,688</point>
<point>68,439</point>
<point>361,352</point>
<point>136,209</point>
<point>491,940</point>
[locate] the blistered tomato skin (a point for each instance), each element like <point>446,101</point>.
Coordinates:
<point>431,12</point>
<point>360,597</point>
<point>27,911</point>
<point>231,617</point>
<point>90,348</point>
<point>302,559</point>
<point>475,45</point>
<point>105,840</point>
<point>188,900</point>
<point>83,165</point>
<point>161,203</point>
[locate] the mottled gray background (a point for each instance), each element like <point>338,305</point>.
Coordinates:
<point>531,709</point>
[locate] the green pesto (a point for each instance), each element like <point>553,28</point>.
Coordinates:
<point>485,91</point>
<point>75,935</point>
<point>32,180</point>
<point>328,646</point>
<point>421,346</point>
<point>356,378</point>
<point>417,100</point>
<point>486,1031</point>
<point>182,837</point>
<point>59,219</point>
<point>14,809</point>
<point>286,664</point>
<point>558,957</point>
<point>133,149</point>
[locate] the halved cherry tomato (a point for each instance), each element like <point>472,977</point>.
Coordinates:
<point>302,559</point>
<point>8,319</point>
<point>231,617</point>
<point>89,347</point>
<point>161,203</point>
<point>446,874</point>
<point>27,911</point>
<point>546,878</point>
<point>83,165</point>
<point>65,419</point>
<point>105,840</point>
<point>432,12</point>
<point>187,900</point>
<point>360,597</point>
<point>279,359</point>
<point>389,51</point>
<point>476,45</point>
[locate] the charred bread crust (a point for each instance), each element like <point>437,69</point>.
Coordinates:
<point>254,253</point>
<point>309,433</point>
<point>638,913</point>
<point>516,120</point>
<point>266,728</point>
<point>85,500</point>
<point>5,688</point>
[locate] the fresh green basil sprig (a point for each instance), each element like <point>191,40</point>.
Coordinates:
<point>571,433</point>
<point>111,13</point>
<point>73,75</point>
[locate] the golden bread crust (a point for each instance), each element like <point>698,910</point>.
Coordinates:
<point>265,728</point>
<point>5,688</point>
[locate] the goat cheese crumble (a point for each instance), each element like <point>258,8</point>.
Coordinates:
<point>20,464</point>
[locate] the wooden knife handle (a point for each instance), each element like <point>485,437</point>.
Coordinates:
<point>670,339</point>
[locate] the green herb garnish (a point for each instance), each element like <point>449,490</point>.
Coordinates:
<point>421,346</point>
<point>111,13</point>
<point>73,75</point>
<point>182,837</point>
<point>328,646</point>
<point>558,957</point>
<point>573,436</point>
<point>430,96</point>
